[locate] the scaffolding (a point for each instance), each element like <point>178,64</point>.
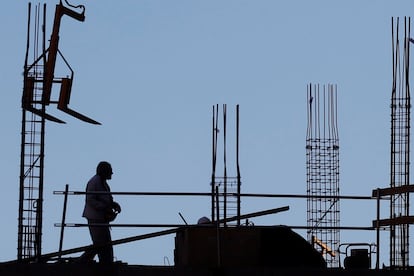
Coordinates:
<point>322,165</point>
<point>400,145</point>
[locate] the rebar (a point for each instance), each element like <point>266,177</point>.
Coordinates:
<point>322,163</point>
<point>400,145</point>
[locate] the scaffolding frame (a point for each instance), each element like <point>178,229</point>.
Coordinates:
<point>322,171</point>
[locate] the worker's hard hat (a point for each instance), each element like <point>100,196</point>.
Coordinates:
<point>203,220</point>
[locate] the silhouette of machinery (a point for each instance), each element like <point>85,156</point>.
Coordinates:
<point>273,246</point>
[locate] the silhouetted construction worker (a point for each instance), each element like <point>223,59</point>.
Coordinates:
<point>100,209</point>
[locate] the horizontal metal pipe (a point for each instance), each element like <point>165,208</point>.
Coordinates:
<point>221,194</point>
<point>368,228</point>
<point>143,225</point>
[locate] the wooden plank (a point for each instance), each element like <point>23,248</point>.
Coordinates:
<point>394,221</point>
<point>393,190</point>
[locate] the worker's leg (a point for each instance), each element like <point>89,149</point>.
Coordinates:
<point>101,236</point>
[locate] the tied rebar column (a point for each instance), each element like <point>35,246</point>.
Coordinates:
<point>225,190</point>
<point>322,165</point>
<point>400,145</point>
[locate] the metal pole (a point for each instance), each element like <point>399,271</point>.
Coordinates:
<point>214,158</point>
<point>301,227</point>
<point>225,163</point>
<point>213,195</point>
<point>378,229</point>
<point>62,229</point>
<point>22,152</point>
<point>218,230</point>
<point>238,166</point>
<point>39,203</point>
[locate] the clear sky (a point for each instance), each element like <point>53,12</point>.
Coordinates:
<point>151,71</point>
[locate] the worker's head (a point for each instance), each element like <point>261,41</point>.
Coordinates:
<point>104,170</point>
<point>204,220</point>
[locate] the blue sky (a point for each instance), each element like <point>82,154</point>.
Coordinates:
<point>151,71</point>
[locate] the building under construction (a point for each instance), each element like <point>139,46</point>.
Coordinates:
<point>224,244</point>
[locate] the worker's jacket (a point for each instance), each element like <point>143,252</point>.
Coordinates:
<point>97,205</point>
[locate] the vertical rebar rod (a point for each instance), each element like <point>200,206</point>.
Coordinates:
<point>408,105</point>
<point>218,229</point>
<point>39,205</point>
<point>213,165</point>
<point>62,228</point>
<point>378,229</point>
<point>22,152</point>
<point>225,163</point>
<point>238,167</point>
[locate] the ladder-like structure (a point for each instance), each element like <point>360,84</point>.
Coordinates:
<point>31,180</point>
<point>32,149</point>
<point>225,190</point>
<point>37,90</point>
<point>322,171</point>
